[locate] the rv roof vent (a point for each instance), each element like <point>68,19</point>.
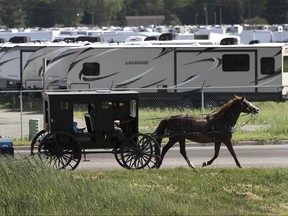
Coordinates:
<point>89,39</point>
<point>167,36</point>
<point>254,42</point>
<point>70,40</point>
<point>19,39</point>
<point>57,40</point>
<point>154,38</point>
<point>229,41</point>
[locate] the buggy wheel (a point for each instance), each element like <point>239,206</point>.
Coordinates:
<point>140,151</point>
<point>36,141</point>
<point>117,154</point>
<point>60,150</point>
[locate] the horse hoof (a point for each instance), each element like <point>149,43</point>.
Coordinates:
<point>204,164</point>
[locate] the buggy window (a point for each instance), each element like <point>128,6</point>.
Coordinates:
<point>133,108</point>
<point>267,66</point>
<point>105,104</point>
<point>235,62</point>
<point>285,64</point>
<point>64,105</point>
<point>91,69</point>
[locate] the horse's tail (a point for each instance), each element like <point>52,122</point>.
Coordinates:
<point>160,130</point>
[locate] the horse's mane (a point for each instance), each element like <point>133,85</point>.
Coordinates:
<point>219,113</point>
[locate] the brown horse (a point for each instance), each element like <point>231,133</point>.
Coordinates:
<point>217,128</point>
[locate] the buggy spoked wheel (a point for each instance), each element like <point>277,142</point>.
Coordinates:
<point>117,154</point>
<point>140,151</point>
<point>60,150</point>
<point>36,141</point>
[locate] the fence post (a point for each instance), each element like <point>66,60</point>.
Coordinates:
<point>21,114</point>
<point>202,101</point>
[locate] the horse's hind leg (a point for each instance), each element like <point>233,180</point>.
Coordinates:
<point>231,150</point>
<point>216,153</point>
<point>165,149</point>
<point>183,152</point>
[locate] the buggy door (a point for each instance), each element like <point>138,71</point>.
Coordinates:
<point>104,116</point>
<point>61,115</point>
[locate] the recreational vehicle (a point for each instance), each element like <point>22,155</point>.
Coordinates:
<point>22,62</point>
<point>32,76</point>
<point>12,58</point>
<point>258,69</point>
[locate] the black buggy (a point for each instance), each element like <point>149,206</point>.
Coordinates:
<point>111,122</point>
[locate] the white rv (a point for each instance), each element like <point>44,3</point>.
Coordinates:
<point>32,76</point>
<point>12,58</point>
<point>251,69</point>
<point>22,62</point>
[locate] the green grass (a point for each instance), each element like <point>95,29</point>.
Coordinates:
<point>272,115</point>
<point>29,188</point>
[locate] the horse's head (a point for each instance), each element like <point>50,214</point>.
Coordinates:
<point>248,107</point>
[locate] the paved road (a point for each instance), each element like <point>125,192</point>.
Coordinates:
<point>248,155</point>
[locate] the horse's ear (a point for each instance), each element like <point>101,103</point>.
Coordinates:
<point>242,98</point>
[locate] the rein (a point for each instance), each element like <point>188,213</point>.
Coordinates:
<point>251,115</point>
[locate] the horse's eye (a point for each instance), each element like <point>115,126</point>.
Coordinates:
<point>245,105</point>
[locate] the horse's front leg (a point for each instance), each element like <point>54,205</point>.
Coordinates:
<point>232,152</point>
<point>165,150</point>
<point>216,154</point>
<point>183,153</point>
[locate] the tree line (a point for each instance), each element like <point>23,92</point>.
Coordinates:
<point>51,13</point>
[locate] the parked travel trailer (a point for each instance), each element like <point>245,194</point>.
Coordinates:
<point>258,69</point>
<point>12,58</point>
<point>22,62</point>
<point>32,75</point>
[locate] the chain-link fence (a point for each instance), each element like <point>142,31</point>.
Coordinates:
<point>21,112</point>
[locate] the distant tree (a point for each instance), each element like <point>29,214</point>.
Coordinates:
<point>172,19</point>
<point>174,11</point>
<point>47,13</point>
<point>13,14</point>
<point>67,12</point>
<point>40,13</point>
<point>188,13</point>
<point>276,11</point>
<point>231,11</point>
<point>258,20</point>
<point>99,12</point>
<point>253,8</point>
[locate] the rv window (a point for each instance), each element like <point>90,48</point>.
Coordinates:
<point>91,69</point>
<point>285,64</point>
<point>267,66</point>
<point>235,62</point>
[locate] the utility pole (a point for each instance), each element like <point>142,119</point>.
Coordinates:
<point>206,14</point>
<point>220,14</point>
<point>92,18</point>
<point>249,12</point>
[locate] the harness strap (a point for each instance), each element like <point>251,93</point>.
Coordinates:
<point>213,132</point>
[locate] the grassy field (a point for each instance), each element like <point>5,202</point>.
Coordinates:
<point>269,125</point>
<point>29,188</point>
